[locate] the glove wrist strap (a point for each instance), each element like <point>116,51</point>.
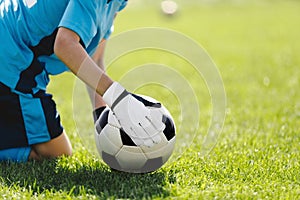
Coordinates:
<point>122,96</point>
<point>114,94</point>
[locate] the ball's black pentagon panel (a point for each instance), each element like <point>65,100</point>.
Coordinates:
<point>126,140</point>
<point>169,131</point>
<point>111,161</point>
<point>152,164</point>
<point>101,123</point>
<point>147,102</point>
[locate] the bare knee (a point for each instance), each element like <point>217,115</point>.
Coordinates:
<point>33,155</point>
<point>54,148</point>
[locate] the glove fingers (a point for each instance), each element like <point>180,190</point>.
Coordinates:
<point>147,132</point>
<point>152,133</point>
<point>157,139</point>
<point>156,120</point>
<point>148,142</point>
<point>138,141</point>
<point>142,124</point>
<point>113,120</point>
<point>143,135</point>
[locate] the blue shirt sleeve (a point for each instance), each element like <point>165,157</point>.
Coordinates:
<point>123,5</point>
<point>109,32</point>
<point>81,17</point>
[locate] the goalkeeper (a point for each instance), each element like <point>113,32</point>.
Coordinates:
<point>42,38</point>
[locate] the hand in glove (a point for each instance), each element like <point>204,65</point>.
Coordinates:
<point>142,124</point>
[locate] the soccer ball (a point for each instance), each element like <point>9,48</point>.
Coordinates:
<point>118,150</point>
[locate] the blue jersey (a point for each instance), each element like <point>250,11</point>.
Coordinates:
<point>28,29</point>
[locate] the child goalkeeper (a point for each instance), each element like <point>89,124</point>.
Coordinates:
<point>41,38</point>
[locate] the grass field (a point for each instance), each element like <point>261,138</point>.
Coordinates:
<point>256,46</point>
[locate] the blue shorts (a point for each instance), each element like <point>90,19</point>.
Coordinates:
<point>20,154</point>
<point>27,119</point>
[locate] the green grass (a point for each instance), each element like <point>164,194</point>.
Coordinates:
<point>256,48</point>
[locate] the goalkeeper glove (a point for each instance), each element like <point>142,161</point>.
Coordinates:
<point>142,124</point>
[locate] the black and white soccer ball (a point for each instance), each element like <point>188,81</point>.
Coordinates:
<point>120,153</point>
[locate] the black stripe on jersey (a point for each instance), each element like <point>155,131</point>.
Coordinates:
<point>46,45</point>
<point>27,77</point>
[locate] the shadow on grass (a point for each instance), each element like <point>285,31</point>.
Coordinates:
<point>77,179</point>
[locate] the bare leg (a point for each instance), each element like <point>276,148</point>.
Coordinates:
<point>33,155</point>
<point>54,148</point>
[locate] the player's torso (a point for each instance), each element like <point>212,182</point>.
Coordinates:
<point>31,20</point>
<point>27,22</point>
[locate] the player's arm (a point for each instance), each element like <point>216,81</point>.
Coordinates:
<point>142,125</point>
<point>68,49</point>
<point>98,56</point>
<point>97,101</point>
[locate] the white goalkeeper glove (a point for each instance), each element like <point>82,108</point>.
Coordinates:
<point>142,124</point>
